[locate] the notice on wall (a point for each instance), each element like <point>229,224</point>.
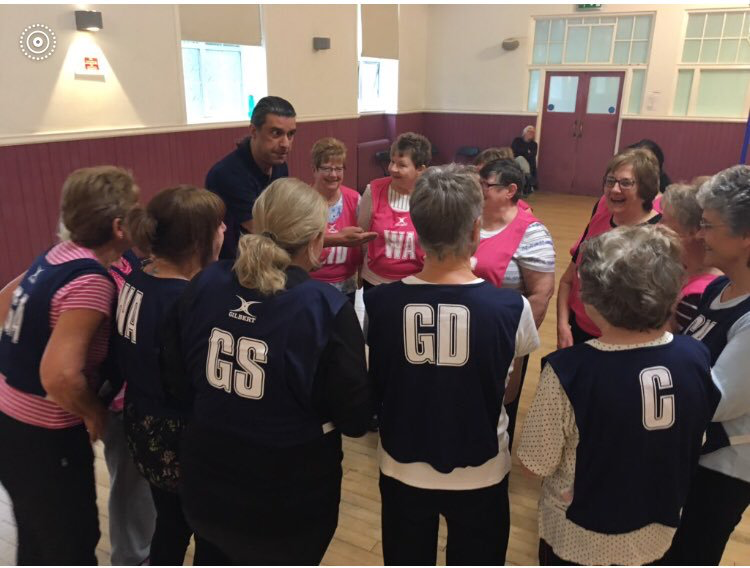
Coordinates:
<point>89,67</point>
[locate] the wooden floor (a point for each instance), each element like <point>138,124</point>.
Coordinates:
<point>357,540</point>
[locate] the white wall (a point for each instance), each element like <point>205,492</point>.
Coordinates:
<point>320,84</point>
<point>469,71</point>
<point>450,60</point>
<point>412,65</point>
<point>142,85</point>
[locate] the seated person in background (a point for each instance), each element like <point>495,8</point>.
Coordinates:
<point>526,147</point>
<point>617,455</point>
<point>682,213</point>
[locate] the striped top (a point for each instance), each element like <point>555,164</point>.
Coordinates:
<point>89,291</point>
<point>536,252</point>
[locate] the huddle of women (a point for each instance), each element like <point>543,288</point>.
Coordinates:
<point>240,376</point>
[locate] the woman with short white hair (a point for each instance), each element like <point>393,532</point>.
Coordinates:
<point>617,422</point>
<point>720,490</point>
<point>441,343</point>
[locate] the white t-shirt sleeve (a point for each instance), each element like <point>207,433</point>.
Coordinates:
<point>536,250</point>
<point>527,337</point>
<point>364,209</point>
<point>730,373</point>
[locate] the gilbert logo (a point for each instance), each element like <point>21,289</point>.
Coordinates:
<point>401,222</point>
<point>243,312</point>
<point>33,277</point>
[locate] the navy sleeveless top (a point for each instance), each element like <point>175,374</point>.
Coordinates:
<point>252,358</point>
<point>142,307</point>
<point>27,325</point>
<point>641,415</point>
<point>711,327</point>
<point>439,355</point>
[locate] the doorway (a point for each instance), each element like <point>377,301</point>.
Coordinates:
<point>579,129</point>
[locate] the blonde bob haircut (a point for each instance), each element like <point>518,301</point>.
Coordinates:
<point>287,216</point>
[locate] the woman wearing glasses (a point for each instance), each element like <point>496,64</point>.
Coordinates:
<point>630,186</point>
<point>515,252</point>
<point>342,257</point>
<point>720,489</point>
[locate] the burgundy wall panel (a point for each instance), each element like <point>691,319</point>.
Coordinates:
<point>449,131</point>
<point>691,148</point>
<point>31,175</point>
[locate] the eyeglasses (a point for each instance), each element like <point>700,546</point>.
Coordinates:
<point>624,183</point>
<point>328,170</point>
<point>705,225</point>
<point>484,185</point>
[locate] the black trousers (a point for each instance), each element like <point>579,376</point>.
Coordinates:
<point>49,475</point>
<point>714,507</point>
<point>512,409</point>
<point>478,524</point>
<point>258,512</point>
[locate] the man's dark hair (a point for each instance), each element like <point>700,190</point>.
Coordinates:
<point>271,105</point>
<point>507,172</point>
<point>653,147</point>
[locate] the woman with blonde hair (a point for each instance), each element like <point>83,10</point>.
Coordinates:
<point>54,339</point>
<point>273,365</point>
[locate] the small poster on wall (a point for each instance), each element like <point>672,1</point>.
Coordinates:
<point>89,67</point>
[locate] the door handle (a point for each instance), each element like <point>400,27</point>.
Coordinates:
<point>575,129</point>
<point>580,129</point>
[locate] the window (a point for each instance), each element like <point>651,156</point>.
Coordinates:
<point>222,82</point>
<point>532,104</point>
<point>637,84</point>
<point>378,84</point>
<point>713,78</point>
<point>618,40</point>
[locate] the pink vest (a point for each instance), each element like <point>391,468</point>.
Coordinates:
<point>395,253</point>
<point>340,263</point>
<point>600,223</point>
<point>523,205</point>
<point>494,254</point>
<point>697,283</point>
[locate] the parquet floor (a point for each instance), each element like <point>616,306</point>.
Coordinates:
<point>357,540</point>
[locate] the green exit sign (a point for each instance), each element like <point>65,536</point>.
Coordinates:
<point>588,6</point>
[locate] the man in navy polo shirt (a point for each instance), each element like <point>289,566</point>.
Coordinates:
<point>240,177</point>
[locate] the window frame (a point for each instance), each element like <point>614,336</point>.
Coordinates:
<point>698,67</point>
<point>582,24</point>
<point>246,80</point>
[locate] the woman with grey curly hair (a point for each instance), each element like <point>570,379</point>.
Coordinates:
<point>441,343</point>
<point>720,490</point>
<point>621,417</point>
